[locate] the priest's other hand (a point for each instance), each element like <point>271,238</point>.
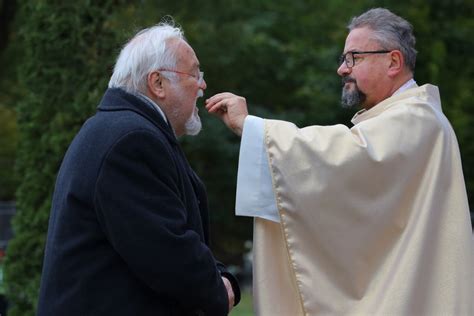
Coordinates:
<point>230,292</point>
<point>230,108</point>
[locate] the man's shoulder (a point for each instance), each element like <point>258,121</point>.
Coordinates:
<point>415,99</point>
<point>425,94</point>
<point>104,131</point>
<point>119,123</point>
<point>124,111</point>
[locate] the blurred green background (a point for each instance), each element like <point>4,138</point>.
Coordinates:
<point>56,58</point>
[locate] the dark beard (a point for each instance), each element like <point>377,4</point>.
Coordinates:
<point>351,97</point>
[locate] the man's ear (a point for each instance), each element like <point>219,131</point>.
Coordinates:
<point>397,63</point>
<point>155,84</point>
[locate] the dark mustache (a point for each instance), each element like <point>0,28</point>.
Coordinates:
<point>347,79</point>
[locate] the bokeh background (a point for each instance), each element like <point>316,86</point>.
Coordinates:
<point>56,58</point>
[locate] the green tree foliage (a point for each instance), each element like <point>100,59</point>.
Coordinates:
<point>279,54</point>
<point>67,49</point>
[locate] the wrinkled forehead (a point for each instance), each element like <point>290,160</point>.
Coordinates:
<point>361,39</point>
<point>185,55</point>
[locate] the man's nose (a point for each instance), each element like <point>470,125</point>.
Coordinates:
<point>203,85</point>
<point>343,70</point>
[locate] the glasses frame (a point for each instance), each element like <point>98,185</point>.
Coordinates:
<point>343,58</point>
<point>200,78</point>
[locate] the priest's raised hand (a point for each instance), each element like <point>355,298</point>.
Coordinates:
<point>230,108</point>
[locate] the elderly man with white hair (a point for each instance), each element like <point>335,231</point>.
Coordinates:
<point>129,228</point>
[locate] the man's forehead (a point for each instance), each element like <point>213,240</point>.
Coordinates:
<point>359,38</point>
<point>186,54</point>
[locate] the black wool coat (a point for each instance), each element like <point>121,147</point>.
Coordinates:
<point>128,232</point>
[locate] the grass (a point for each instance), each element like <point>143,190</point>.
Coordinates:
<point>245,306</point>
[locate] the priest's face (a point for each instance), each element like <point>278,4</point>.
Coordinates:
<point>364,79</point>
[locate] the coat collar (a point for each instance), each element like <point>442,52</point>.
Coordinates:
<point>116,99</point>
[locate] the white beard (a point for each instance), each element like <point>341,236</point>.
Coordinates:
<point>193,125</point>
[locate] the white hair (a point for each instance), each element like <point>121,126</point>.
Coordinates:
<point>147,51</point>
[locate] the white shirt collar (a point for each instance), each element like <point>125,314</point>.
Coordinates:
<point>151,102</point>
<point>407,85</point>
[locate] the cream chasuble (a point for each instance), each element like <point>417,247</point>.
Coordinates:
<point>374,219</point>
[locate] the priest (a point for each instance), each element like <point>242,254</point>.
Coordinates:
<point>367,220</point>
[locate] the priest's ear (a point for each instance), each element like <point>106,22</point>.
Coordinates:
<point>397,63</point>
<point>155,84</point>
